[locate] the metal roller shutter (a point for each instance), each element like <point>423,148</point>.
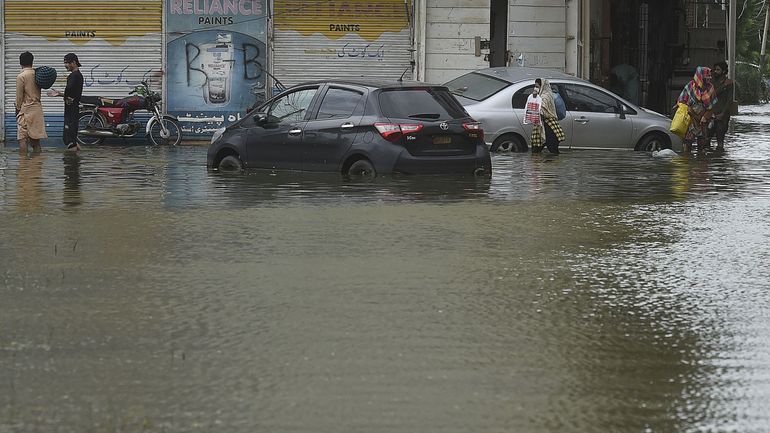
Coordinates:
<point>119,43</point>
<point>342,39</point>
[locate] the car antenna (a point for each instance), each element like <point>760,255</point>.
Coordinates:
<point>401,78</point>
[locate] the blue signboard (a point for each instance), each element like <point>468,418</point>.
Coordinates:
<point>216,61</point>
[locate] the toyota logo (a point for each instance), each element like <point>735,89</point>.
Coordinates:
<point>444,126</point>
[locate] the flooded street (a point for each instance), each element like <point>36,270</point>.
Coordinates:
<point>590,292</point>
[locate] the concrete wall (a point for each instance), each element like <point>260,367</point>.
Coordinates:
<point>450,28</point>
<point>537,32</point>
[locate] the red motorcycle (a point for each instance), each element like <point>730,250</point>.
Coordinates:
<point>102,118</point>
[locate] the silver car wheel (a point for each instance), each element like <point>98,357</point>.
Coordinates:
<point>508,143</point>
<point>652,143</point>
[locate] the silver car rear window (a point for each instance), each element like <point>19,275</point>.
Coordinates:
<point>477,87</point>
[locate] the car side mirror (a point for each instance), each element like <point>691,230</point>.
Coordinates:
<point>266,120</point>
<point>255,119</point>
<point>622,110</point>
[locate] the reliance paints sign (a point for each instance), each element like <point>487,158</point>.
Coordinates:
<point>216,56</point>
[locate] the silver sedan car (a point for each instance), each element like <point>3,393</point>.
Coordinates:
<point>596,118</point>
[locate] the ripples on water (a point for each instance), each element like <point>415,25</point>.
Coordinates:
<point>596,291</point>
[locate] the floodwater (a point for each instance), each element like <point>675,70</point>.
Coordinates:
<point>590,292</point>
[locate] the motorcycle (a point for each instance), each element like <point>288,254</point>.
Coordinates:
<point>102,118</point>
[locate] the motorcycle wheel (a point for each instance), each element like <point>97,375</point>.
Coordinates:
<point>174,133</point>
<point>88,119</point>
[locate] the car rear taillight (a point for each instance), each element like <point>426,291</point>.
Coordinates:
<point>393,131</point>
<point>474,130</point>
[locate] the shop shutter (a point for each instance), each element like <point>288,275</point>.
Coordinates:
<point>119,43</point>
<point>342,39</point>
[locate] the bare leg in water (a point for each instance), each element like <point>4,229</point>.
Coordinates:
<point>32,142</point>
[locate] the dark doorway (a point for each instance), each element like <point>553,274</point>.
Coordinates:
<point>498,33</point>
<point>641,36</point>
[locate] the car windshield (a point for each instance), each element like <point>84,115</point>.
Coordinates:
<point>420,103</point>
<point>477,87</point>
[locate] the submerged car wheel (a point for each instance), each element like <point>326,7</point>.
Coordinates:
<point>361,169</point>
<point>653,142</point>
<point>508,143</point>
<point>230,164</point>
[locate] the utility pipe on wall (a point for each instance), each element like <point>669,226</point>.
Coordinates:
<point>732,21</point>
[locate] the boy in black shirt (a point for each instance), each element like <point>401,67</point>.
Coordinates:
<point>72,94</point>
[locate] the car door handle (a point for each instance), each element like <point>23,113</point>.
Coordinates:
<point>347,125</point>
<point>295,131</point>
<point>581,120</point>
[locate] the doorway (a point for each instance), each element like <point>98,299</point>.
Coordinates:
<point>640,38</point>
<point>498,33</point>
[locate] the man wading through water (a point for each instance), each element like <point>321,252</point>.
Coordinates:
<point>723,87</point>
<point>72,94</point>
<point>29,110</point>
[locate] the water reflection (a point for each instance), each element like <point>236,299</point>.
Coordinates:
<point>263,188</point>
<point>145,176</point>
<point>72,195</point>
<point>29,183</point>
<point>623,176</point>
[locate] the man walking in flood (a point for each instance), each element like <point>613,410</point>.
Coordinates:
<point>72,94</point>
<point>723,87</point>
<point>29,109</point>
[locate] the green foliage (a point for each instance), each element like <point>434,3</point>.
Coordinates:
<point>750,87</point>
<point>750,25</point>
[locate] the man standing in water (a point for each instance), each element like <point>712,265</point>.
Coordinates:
<point>72,94</point>
<point>723,87</point>
<point>29,109</point>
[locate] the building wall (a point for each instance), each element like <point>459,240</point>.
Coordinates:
<point>537,32</point>
<point>536,36</point>
<point>449,37</point>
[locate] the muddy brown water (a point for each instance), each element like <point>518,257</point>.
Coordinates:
<point>593,292</point>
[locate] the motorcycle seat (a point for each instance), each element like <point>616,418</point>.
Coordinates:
<point>96,101</point>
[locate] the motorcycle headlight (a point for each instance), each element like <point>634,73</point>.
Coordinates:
<point>217,134</point>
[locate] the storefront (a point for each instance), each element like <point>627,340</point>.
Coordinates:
<point>213,59</point>
<point>119,43</point>
<point>342,39</point>
<point>659,41</point>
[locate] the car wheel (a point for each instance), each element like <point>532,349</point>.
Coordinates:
<point>361,169</point>
<point>230,164</point>
<point>508,143</point>
<point>653,142</point>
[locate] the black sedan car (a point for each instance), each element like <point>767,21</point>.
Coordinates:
<point>357,128</point>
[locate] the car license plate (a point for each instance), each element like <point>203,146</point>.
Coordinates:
<point>442,139</point>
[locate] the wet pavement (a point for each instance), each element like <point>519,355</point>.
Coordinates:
<point>590,292</point>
